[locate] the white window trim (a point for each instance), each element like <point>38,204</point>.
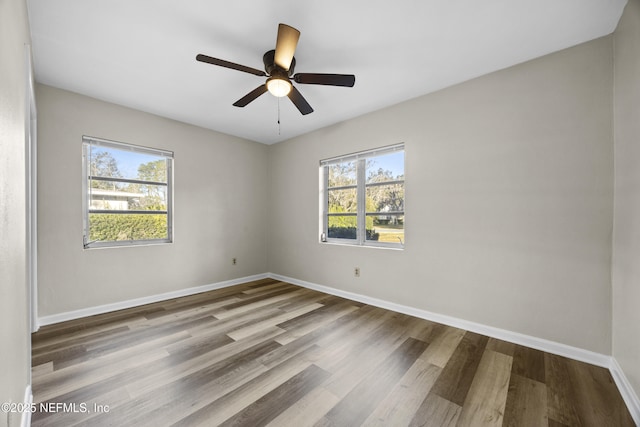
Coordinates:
<point>361,158</point>
<point>88,141</point>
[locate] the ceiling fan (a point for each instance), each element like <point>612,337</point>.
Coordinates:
<point>279,65</point>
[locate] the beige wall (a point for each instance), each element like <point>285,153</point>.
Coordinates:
<point>220,198</point>
<point>14,330</point>
<point>509,200</point>
<point>626,241</point>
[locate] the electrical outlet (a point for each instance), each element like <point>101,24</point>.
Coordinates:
<point>234,261</point>
<point>357,272</point>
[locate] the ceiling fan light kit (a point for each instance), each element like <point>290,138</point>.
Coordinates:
<point>278,87</point>
<point>279,65</point>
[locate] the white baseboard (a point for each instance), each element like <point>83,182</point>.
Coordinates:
<point>502,334</point>
<point>25,421</point>
<point>106,308</point>
<point>626,390</point>
<point>628,394</point>
<point>505,335</point>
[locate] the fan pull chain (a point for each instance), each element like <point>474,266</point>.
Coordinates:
<point>278,116</point>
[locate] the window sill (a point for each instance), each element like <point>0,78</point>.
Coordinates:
<point>127,244</point>
<point>346,243</point>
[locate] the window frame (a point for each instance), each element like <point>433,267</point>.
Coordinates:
<point>361,188</point>
<point>87,143</point>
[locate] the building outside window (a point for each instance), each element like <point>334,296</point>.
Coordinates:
<point>127,194</point>
<point>362,199</point>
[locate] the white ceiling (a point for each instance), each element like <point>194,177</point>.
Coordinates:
<point>141,53</point>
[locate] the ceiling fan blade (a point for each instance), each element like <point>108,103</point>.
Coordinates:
<point>250,96</point>
<point>286,45</point>
<point>298,100</point>
<point>347,80</point>
<point>232,65</point>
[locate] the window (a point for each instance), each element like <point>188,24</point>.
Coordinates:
<point>363,198</point>
<point>127,197</point>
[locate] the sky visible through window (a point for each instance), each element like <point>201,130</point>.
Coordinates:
<point>393,162</point>
<point>128,162</point>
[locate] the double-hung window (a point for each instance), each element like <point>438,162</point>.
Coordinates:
<point>127,194</point>
<point>363,198</point>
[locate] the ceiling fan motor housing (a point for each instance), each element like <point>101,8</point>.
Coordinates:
<point>272,69</point>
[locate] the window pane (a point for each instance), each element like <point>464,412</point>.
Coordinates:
<point>385,198</point>
<point>124,197</point>
<point>342,174</point>
<point>114,163</point>
<point>389,167</point>
<point>386,228</point>
<point>342,227</point>
<point>154,197</point>
<point>118,227</point>
<point>343,200</point>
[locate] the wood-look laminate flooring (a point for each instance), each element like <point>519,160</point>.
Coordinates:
<point>271,353</point>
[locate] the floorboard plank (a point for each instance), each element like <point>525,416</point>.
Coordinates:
<point>456,378</point>
<point>356,406</point>
<point>401,404</point>
<point>529,363</point>
<point>272,404</point>
<point>231,403</point>
<point>500,346</point>
<point>436,412</point>
<point>441,349</point>
<point>245,331</point>
<point>526,403</point>
<point>180,368</point>
<point>63,381</point>
<point>307,411</point>
<point>350,366</point>
<point>487,397</point>
<point>561,407</point>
